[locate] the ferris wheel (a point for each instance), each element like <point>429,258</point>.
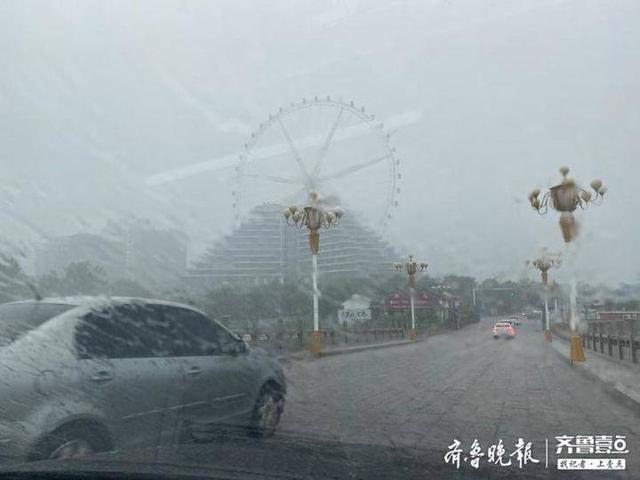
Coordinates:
<point>322,145</point>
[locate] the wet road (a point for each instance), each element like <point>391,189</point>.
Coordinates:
<point>391,413</point>
<point>463,385</point>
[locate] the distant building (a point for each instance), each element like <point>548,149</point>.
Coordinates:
<point>153,257</point>
<point>355,310</point>
<point>265,248</point>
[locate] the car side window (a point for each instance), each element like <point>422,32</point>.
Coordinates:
<point>201,337</point>
<point>110,333</point>
<point>228,343</point>
<point>163,331</point>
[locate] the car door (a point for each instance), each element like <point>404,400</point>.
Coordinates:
<point>127,372</point>
<point>218,380</point>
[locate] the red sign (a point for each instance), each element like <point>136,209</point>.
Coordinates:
<point>401,300</point>
<point>612,316</point>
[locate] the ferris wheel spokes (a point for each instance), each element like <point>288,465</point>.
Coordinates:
<point>272,178</point>
<point>325,146</point>
<point>354,168</point>
<point>318,145</point>
<point>293,149</point>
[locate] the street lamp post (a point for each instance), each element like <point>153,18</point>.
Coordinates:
<point>554,288</point>
<point>443,301</point>
<point>565,198</point>
<point>314,217</point>
<point>457,313</point>
<point>412,268</point>
<point>544,263</point>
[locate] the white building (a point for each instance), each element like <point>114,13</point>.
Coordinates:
<point>356,309</point>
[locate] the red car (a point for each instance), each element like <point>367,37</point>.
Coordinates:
<point>504,329</point>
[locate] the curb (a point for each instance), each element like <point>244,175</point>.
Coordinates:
<point>375,346</point>
<point>619,392</point>
<point>306,355</point>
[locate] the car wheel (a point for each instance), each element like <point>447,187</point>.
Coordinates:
<point>266,412</point>
<point>74,441</point>
<point>495,337</point>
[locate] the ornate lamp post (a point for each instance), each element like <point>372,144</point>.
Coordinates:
<point>442,300</point>
<point>412,268</point>
<point>544,263</point>
<point>565,198</point>
<point>554,288</point>
<point>313,217</point>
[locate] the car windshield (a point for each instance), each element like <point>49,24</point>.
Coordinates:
<point>342,239</point>
<point>17,319</point>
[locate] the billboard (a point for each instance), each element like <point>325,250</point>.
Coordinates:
<point>401,300</point>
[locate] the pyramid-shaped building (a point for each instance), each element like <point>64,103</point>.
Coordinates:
<point>264,248</point>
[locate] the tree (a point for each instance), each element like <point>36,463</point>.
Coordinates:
<point>225,301</point>
<point>335,292</point>
<point>80,278</point>
<point>426,282</point>
<point>14,283</point>
<point>128,288</point>
<point>461,286</point>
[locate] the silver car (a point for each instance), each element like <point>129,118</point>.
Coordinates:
<point>80,375</point>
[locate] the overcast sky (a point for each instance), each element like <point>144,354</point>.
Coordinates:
<point>98,97</point>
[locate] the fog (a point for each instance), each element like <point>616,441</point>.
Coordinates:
<point>112,109</point>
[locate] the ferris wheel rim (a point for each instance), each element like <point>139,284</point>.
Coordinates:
<point>368,120</point>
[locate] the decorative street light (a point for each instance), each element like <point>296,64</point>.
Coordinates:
<point>555,288</point>
<point>314,217</point>
<point>544,263</point>
<point>565,198</point>
<point>442,300</point>
<point>412,268</point>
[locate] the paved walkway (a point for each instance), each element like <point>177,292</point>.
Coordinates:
<point>620,376</point>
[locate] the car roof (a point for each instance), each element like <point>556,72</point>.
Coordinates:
<point>78,301</point>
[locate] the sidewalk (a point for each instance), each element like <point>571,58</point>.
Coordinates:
<point>620,379</point>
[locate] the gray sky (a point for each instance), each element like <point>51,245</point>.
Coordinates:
<point>96,97</point>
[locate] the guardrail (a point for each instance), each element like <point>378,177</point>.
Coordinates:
<point>298,339</point>
<point>274,339</point>
<point>616,338</point>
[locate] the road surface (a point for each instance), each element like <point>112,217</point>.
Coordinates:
<point>464,385</point>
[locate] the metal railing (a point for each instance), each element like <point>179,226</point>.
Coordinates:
<point>289,339</point>
<point>294,340</point>
<point>615,338</point>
